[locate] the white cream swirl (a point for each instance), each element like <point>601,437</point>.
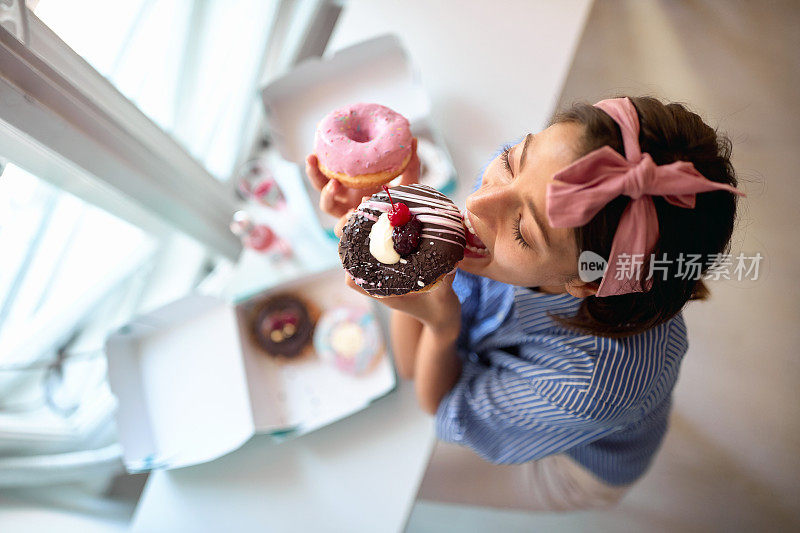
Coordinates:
<point>381,245</point>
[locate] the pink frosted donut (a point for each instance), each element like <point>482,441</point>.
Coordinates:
<point>363,145</point>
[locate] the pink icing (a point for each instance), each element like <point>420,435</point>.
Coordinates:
<point>362,139</point>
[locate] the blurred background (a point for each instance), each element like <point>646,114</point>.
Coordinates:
<point>181,78</point>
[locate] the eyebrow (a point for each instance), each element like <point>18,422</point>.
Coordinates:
<point>539,222</point>
<point>528,139</point>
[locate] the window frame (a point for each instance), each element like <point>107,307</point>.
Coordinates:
<point>53,98</point>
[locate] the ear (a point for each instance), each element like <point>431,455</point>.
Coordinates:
<point>581,289</point>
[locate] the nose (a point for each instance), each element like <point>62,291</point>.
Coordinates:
<point>490,203</point>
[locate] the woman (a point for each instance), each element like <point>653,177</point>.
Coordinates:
<point>521,358</point>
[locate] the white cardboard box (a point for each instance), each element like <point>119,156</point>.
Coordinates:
<point>193,386</point>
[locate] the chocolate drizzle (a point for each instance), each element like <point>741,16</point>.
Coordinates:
<point>441,243</point>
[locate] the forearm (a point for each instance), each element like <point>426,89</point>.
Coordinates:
<point>437,366</point>
<point>424,329</point>
<point>405,333</point>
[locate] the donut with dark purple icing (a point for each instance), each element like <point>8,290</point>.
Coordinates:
<point>283,326</point>
<point>426,242</point>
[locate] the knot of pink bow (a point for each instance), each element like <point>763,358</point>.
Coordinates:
<point>639,178</point>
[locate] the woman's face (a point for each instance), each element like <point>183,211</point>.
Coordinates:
<point>507,213</point>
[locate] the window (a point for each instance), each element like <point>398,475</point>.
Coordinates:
<point>58,252</point>
<point>192,66</point>
<point>119,124</point>
<point>71,272</point>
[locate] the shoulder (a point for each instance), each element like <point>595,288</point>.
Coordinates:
<point>616,381</point>
<point>639,369</point>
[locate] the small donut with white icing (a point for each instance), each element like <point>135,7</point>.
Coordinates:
<point>402,240</point>
<point>349,338</point>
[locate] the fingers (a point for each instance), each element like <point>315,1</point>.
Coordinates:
<point>392,302</point>
<point>327,199</point>
<point>364,194</point>
<point>333,199</point>
<point>342,222</point>
<point>411,173</point>
<point>336,199</point>
<point>350,282</point>
<point>317,178</point>
<point>448,278</point>
<point>446,282</point>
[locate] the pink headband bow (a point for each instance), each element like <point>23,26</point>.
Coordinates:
<point>583,188</point>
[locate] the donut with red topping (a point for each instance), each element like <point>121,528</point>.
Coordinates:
<point>402,240</point>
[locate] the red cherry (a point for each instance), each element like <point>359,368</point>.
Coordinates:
<point>399,213</point>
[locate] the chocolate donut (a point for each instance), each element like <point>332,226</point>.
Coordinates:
<point>425,243</point>
<point>283,326</point>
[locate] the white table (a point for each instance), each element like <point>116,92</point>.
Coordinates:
<point>360,474</point>
<point>494,71</point>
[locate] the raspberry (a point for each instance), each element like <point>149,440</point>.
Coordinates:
<point>406,237</point>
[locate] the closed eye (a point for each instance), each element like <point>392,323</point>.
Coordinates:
<point>504,157</point>
<point>518,234</point>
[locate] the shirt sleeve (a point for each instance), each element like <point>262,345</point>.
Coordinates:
<point>468,289</point>
<point>508,418</point>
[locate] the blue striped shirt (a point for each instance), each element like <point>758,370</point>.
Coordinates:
<point>530,387</point>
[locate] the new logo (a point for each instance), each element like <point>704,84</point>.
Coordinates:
<point>591,266</point>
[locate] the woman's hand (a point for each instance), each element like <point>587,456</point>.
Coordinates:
<point>438,309</point>
<point>337,199</point>
<point>434,364</point>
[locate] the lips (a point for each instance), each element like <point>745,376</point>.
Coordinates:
<point>475,247</point>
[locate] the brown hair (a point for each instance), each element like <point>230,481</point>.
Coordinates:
<point>668,132</point>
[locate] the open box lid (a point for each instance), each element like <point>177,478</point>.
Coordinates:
<point>377,70</point>
<point>181,384</point>
<point>193,384</point>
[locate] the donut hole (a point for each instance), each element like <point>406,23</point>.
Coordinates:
<point>358,132</point>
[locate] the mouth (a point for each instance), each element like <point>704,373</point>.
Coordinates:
<point>475,247</point>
